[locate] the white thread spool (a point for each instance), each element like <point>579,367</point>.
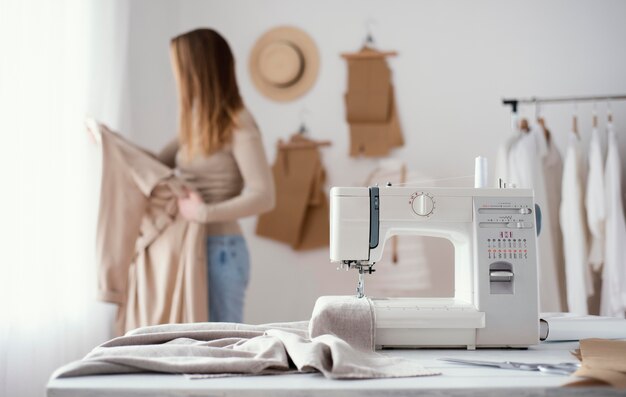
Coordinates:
<point>480,172</point>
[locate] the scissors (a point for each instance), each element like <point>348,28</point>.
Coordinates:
<point>557,369</point>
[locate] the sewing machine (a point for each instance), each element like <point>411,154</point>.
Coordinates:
<point>493,231</point>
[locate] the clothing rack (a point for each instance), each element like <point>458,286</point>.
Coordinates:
<point>514,102</point>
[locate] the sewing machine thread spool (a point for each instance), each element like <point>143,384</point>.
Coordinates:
<point>480,172</point>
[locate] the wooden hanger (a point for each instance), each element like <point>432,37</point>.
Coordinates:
<point>299,139</point>
<point>575,121</point>
<point>305,144</point>
<point>368,53</point>
<point>546,132</point>
<point>575,125</point>
<point>524,126</point>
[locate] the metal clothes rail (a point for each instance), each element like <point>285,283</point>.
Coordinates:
<point>515,102</point>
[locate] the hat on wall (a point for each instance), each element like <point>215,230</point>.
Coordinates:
<point>284,63</point>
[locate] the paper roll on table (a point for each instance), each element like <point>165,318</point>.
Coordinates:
<point>568,326</point>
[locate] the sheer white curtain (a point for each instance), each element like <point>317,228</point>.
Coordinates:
<point>59,61</point>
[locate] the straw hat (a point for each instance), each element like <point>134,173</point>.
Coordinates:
<point>284,63</point>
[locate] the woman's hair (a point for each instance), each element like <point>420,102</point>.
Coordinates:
<point>209,98</point>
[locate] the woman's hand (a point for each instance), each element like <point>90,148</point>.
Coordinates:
<point>190,206</point>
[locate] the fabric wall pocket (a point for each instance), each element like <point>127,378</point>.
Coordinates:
<point>376,139</point>
<point>370,106</point>
<point>364,107</point>
<point>300,217</point>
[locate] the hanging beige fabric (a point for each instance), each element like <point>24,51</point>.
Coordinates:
<point>370,105</point>
<point>151,260</point>
<point>300,217</point>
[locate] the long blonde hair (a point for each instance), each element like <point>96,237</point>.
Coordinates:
<point>209,98</point>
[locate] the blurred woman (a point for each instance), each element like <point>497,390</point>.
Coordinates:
<point>219,153</point>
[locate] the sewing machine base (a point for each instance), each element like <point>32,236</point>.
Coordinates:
<point>430,323</point>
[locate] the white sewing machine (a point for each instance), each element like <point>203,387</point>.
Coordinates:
<point>494,236</point>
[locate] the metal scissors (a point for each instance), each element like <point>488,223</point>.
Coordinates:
<point>558,369</point>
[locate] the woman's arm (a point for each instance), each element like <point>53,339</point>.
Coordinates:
<point>258,194</point>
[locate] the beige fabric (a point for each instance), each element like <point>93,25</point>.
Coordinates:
<point>346,317</point>
<point>221,177</point>
<point>212,349</point>
<point>300,217</point>
<point>603,361</point>
<point>552,164</point>
<point>151,261</point>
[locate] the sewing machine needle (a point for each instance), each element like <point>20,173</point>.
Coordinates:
<point>360,288</point>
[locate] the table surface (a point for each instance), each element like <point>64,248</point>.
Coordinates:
<point>455,380</point>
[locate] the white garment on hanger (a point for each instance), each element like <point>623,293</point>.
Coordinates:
<point>553,176</point>
<point>595,201</point>
<point>574,229</point>
<point>525,170</point>
<point>613,298</point>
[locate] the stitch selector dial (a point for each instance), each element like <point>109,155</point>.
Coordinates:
<point>422,203</point>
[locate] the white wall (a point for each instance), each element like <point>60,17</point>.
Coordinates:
<point>457,59</point>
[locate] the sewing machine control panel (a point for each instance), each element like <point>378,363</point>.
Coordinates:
<point>506,228</point>
<point>504,245</point>
<point>505,233</point>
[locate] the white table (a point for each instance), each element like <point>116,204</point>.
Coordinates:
<point>456,380</point>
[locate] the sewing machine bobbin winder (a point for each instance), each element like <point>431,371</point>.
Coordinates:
<point>493,231</point>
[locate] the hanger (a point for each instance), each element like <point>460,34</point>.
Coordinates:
<point>575,120</point>
<point>369,37</point>
<point>609,113</point>
<point>369,50</point>
<point>594,116</point>
<point>542,122</point>
<point>300,139</point>
<point>524,126</point>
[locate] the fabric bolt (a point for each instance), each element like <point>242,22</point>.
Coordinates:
<point>613,296</point>
<point>376,138</point>
<point>214,349</point>
<point>574,229</point>
<point>151,261</point>
<point>524,169</point>
<point>595,201</point>
<point>220,178</point>
<point>228,265</point>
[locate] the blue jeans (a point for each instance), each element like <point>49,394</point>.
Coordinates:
<point>228,265</point>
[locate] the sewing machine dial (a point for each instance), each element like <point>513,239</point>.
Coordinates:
<point>422,203</point>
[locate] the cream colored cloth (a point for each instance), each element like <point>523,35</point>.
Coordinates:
<point>574,228</point>
<point>234,182</point>
<point>525,169</point>
<point>338,345</point>
<point>613,296</point>
<point>602,361</point>
<point>553,177</point>
<point>151,260</point>
<point>595,201</point>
